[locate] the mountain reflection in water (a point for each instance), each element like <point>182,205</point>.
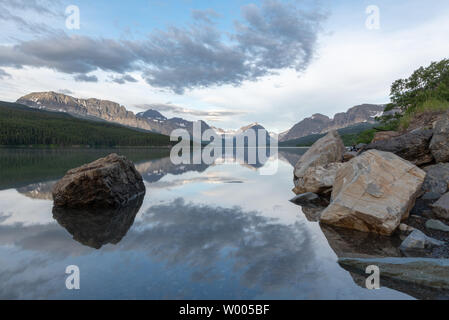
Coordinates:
<point>202,232</point>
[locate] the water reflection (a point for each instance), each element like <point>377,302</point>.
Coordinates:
<point>218,231</point>
<point>41,190</point>
<point>435,272</point>
<point>348,243</point>
<point>209,242</point>
<point>291,155</point>
<point>97,227</point>
<point>268,253</point>
<point>22,167</point>
<point>152,171</point>
<point>155,170</point>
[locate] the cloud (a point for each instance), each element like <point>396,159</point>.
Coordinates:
<point>65,91</point>
<point>269,38</point>
<point>39,6</point>
<point>123,79</point>
<point>75,54</point>
<point>4,74</point>
<point>85,78</point>
<point>205,15</point>
<point>165,107</point>
<point>278,35</point>
<point>22,15</point>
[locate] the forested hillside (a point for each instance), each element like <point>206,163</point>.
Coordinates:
<point>21,125</point>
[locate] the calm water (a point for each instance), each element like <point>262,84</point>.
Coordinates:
<point>202,232</point>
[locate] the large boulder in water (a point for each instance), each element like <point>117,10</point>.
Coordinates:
<point>373,193</point>
<point>325,151</point>
<point>412,146</point>
<point>108,182</point>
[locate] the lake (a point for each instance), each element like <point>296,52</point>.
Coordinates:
<point>220,231</point>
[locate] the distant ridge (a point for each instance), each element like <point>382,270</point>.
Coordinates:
<point>319,124</point>
<point>150,120</point>
<point>344,133</point>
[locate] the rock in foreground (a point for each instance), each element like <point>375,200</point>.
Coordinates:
<point>417,240</point>
<point>412,146</point>
<point>384,135</point>
<point>439,144</point>
<point>441,207</point>
<point>437,179</point>
<point>324,152</point>
<point>373,193</point>
<point>108,182</point>
<point>436,225</point>
<point>319,179</point>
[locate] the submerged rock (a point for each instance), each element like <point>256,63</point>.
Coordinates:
<point>441,207</point>
<point>419,241</point>
<point>422,278</point>
<point>439,145</point>
<point>412,146</point>
<point>373,193</point>
<point>325,151</point>
<point>97,227</point>
<point>353,243</point>
<point>108,182</point>
<point>437,225</point>
<point>311,205</point>
<point>309,199</point>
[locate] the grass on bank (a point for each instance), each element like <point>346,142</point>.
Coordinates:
<point>367,136</point>
<point>431,105</point>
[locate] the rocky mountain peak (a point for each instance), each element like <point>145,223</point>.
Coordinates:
<point>152,114</point>
<point>254,126</point>
<point>96,109</point>
<point>319,123</point>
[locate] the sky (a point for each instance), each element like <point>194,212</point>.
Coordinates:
<point>229,63</point>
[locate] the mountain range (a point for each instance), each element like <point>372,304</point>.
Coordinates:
<point>153,120</point>
<point>319,123</point>
<point>105,110</point>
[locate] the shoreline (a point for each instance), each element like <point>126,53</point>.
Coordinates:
<point>43,147</point>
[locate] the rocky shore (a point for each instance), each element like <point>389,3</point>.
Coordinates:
<point>394,188</point>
